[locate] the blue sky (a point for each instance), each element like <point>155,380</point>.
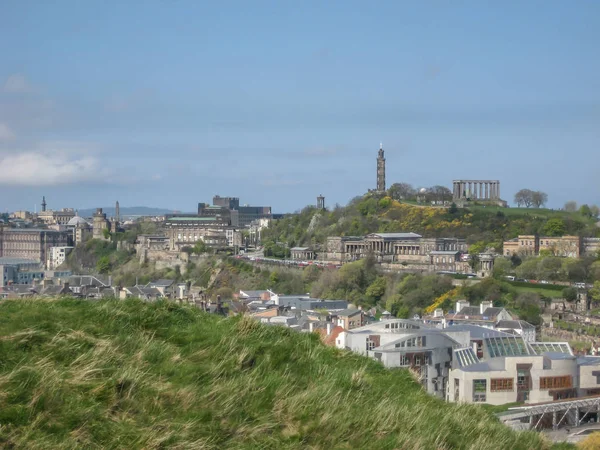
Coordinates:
<point>166,103</point>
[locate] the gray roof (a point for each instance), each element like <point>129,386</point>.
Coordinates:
<point>558,355</point>
<point>7,260</point>
<point>490,313</point>
<point>252,294</point>
<point>398,235</point>
<point>162,283</point>
<point>300,249</point>
<point>588,360</point>
<point>475,331</point>
<point>514,324</point>
<point>347,312</point>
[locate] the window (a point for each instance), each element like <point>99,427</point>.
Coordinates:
<point>479,390</point>
<point>556,382</point>
<point>404,361</point>
<point>501,385</point>
<point>456,389</point>
<point>370,344</point>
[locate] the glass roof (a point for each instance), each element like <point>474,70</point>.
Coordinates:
<point>545,347</point>
<point>466,357</point>
<point>507,346</point>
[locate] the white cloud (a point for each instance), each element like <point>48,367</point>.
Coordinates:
<point>49,168</point>
<point>17,83</point>
<point>6,133</point>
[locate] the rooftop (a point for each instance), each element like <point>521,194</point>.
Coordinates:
<point>192,218</point>
<point>397,235</point>
<point>7,260</point>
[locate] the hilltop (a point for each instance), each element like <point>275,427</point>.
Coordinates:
<point>110,374</point>
<point>373,213</point>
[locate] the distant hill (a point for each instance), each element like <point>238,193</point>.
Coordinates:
<point>127,374</point>
<point>127,211</point>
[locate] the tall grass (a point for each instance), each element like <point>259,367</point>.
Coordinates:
<point>125,374</point>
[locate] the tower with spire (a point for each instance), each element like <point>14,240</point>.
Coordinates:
<point>381,170</point>
<point>44,203</point>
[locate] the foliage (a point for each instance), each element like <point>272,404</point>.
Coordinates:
<point>127,374</point>
<point>527,198</point>
<point>554,227</point>
<point>569,294</point>
<point>571,206</point>
<point>200,248</point>
<point>103,265</point>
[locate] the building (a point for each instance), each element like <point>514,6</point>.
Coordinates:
<point>215,230</point>
<point>241,216</point>
<point>476,190</point>
<point>520,327</point>
<point>302,253</point>
<point>58,255</point>
<point>321,202</point>
<point>81,230</point>
<point>485,314</point>
<point>304,302</point>
<point>442,254</point>
<point>31,243</point>
<point>349,319</point>
<point>591,246</point>
<point>564,246</point>
<point>380,169</point>
<point>255,230</point>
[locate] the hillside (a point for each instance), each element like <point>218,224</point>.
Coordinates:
<point>110,374</point>
<point>376,213</point>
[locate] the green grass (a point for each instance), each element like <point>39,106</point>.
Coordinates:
<point>110,374</point>
<point>534,212</point>
<point>538,289</point>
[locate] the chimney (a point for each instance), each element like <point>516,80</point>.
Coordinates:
<point>484,305</point>
<point>311,327</point>
<point>461,304</point>
<point>329,328</point>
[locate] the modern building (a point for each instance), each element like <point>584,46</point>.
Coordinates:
<point>241,216</point>
<point>58,255</point>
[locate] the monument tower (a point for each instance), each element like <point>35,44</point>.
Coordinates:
<point>380,170</point>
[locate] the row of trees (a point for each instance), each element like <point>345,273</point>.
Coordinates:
<point>585,210</point>
<point>529,198</point>
<point>405,191</point>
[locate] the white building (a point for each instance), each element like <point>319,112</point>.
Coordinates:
<point>58,255</point>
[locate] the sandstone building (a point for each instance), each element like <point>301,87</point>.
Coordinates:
<point>50,217</point>
<point>31,243</point>
<point>564,246</point>
<point>442,254</point>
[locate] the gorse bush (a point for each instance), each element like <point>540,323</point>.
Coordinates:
<point>124,374</point>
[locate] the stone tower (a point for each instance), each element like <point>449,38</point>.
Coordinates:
<point>320,202</point>
<point>380,170</point>
<point>44,203</point>
<point>117,213</point>
<point>99,224</point>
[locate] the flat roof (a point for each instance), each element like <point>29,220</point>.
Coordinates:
<point>15,261</point>
<point>186,219</point>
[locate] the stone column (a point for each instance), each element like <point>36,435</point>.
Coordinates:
<point>481,190</point>
<point>487,193</point>
<point>498,189</point>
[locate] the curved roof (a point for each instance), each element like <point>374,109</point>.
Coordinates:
<point>75,221</point>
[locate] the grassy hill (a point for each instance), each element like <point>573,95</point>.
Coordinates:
<point>111,374</point>
<point>377,213</point>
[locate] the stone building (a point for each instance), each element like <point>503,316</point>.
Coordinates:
<point>381,170</point>
<point>442,254</point>
<point>477,190</point>
<point>31,243</point>
<point>100,223</point>
<point>80,228</point>
<point>241,216</point>
<point>215,231</point>
<point>302,253</point>
<point>531,245</point>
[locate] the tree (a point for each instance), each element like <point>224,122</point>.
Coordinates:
<point>376,290</point>
<point>199,248</point>
<point>569,294</point>
<point>502,267</point>
<point>439,194</point>
<point>402,191</point>
<point>595,211</point>
<point>594,293</point>
<point>554,227</point>
<point>453,209</point>
<point>103,265</point>
<point>571,206</point>
<point>539,198</point>
<point>585,210</point>
<point>524,198</point>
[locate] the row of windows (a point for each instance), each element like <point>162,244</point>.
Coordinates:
<point>556,382</point>
<point>400,325</point>
<point>501,384</point>
<point>419,341</point>
<point>479,390</point>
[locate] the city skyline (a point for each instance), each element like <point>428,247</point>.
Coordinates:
<point>167,105</point>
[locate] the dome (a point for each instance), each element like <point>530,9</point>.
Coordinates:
<point>423,190</point>
<point>77,221</point>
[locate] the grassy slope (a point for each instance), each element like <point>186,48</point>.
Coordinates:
<point>110,374</point>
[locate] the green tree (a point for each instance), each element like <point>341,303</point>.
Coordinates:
<point>199,247</point>
<point>571,206</point>
<point>594,292</point>
<point>453,209</point>
<point>539,198</point>
<point>554,227</point>
<point>376,290</point>
<point>569,294</point>
<point>585,210</point>
<point>502,267</point>
<point>103,265</point>
<point>528,269</point>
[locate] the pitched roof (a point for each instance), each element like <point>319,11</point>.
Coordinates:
<point>162,283</point>
<point>514,324</point>
<point>347,312</point>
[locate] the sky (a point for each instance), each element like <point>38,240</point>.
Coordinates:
<point>167,103</point>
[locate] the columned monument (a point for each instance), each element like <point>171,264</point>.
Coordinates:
<point>476,190</point>
<point>380,170</point>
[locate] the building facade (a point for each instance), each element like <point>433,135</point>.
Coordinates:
<point>31,243</point>
<point>215,231</point>
<point>563,246</point>
<point>443,254</point>
<point>58,255</point>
